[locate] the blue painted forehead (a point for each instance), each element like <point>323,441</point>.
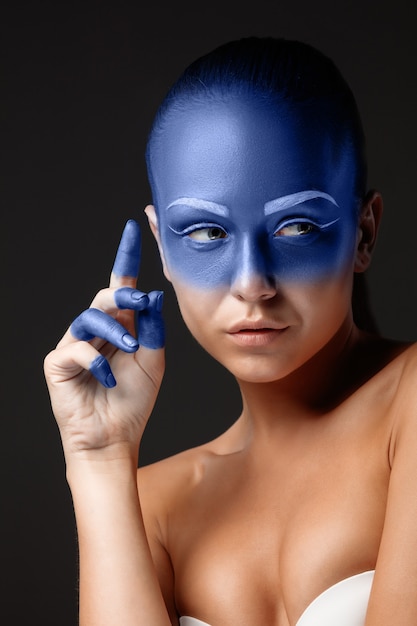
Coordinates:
<point>275,71</point>
<point>243,131</point>
<point>237,181</point>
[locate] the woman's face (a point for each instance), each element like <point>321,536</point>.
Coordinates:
<point>258,231</point>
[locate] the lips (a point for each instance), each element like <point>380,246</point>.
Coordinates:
<point>255,334</point>
<point>249,326</point>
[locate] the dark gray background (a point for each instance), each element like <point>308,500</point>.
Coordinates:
<point>81,83</point>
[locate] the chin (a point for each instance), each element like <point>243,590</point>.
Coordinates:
<point>256,369</point>
<point>257,379</point>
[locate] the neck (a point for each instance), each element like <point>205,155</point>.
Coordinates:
<point>315,388</point>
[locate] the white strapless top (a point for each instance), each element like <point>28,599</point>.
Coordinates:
<point>343,604</point>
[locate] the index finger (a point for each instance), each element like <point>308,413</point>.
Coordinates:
<point>126,263</point>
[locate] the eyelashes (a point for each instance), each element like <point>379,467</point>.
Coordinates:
<point>202,233</point>
<point>296,228</point>
<point>301,228</point>
<point>211,233</point>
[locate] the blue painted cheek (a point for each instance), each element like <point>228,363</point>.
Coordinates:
<point>313,258</point>
<point>305,258</point>
<point>203,265</point>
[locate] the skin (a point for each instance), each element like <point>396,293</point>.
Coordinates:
<point>101,429</point>
<point>269,203</point>
<point>257,488</point>
<point>315,481</point>
<point>95,323</point>
<point>264,268</point>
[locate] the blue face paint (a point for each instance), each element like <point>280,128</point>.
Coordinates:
<point>128,254</point>
<point>242,187</point>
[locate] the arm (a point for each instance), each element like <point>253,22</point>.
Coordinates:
<point>394,595</point>
<point>101,424</point>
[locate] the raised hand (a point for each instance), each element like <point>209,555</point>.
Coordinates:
<point>103,380</point>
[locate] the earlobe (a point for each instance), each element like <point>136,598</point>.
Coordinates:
<point>153,224</point>
<point>368,226</point>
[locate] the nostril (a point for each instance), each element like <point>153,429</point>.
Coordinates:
<point>253,280</point>
<point>254,287</point>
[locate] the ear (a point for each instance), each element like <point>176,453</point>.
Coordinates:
<point>153,224</point>
<point>369,220</point>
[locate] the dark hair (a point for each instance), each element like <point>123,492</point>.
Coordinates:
<point>283,72</point>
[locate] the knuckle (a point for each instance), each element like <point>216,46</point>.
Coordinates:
<point>113,326</point>
<point>47,360</point>
<point>103,298</point>
<point>84,315</point>
<point>103,293</point>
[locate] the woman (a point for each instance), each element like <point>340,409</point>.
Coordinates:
<point>304,512</point>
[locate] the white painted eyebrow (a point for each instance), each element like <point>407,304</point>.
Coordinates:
<point>197,203</point>
<point>293,199</point>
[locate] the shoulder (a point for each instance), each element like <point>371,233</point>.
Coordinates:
<point>404,367</point>
<point>393,599</point>
<point>389,366</point>
<point>175,473</point>
<point>163,488</point>
<point>408,360</point>
<point>175,477</point>
<point>170,484</point>
<point>404,405</point>
<point>390,394</point>
<point>397,381</point>
<point>403,352</point>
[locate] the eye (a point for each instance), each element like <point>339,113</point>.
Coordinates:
<point>210,233</point>
<point>296,229</point>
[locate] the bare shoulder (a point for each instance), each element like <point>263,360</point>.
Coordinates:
<point>165,485</point>
<point>408,359</point>
<point>386,364</point>
<point>405,399</point>
<point>403,371</point>
<point>393,599</point>
<point>175,473</point>
<point>392,391</point>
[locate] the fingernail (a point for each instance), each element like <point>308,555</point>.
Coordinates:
<point>100,369</point>
<point>138,295</point>
<point>129,341</point>
<point>110,381</point>
<point>128,298</point>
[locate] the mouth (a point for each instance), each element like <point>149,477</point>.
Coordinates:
<point>256,334</point>
<point>247,326</point>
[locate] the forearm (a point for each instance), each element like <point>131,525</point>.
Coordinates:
<point>118,581</point>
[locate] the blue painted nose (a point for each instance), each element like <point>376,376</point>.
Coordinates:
<point>253,278</point>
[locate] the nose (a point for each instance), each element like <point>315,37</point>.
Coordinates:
<point>252,281</point>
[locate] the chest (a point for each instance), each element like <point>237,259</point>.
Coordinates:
<point>268,535</point>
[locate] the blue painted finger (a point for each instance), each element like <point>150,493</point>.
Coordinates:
<point>128,298</point>
<point>101,370</point>
<point>128,254</point>
<point>94,323</point>
<point>151,329</point>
